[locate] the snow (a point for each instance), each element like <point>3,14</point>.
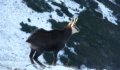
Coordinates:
<point>20,66</point>
<point>72,50</point>
<point>14,50</point>
<point>73,6</point>
<point>113,1</point>
<point>72,9</point>
<point>59,68</point>
<point>83,67</point>
<point>76,43</point>
<point>106,12</point>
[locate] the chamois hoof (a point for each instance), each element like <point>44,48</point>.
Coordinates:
<point>43,66</point>
<point>53,63</point>
<point>34,65</point>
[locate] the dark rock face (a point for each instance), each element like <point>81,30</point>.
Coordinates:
<point>27,28</point>
<point>98,42</point>
<point>64,9</point>
<point>38,5</point>
<point>59,12</point>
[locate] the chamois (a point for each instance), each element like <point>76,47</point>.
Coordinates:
<point>41,40</point>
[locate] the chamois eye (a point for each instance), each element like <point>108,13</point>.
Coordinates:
<point>74,25</point>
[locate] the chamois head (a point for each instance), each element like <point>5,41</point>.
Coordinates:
<point>72,25</point>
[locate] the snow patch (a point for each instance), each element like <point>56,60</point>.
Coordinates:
<point>61,53</point>
<point>72,50</point>
<point>106,12</point>
<point>59,68</point>
<point>73,8</point>
<point>76,43</point>
<point>113,1</point>
<point>83,67</point>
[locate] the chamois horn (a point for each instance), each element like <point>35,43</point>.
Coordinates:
<point>74,21</point>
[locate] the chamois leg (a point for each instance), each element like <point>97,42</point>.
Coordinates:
<point>37,54</point>
<point>55,57</point>
<point>32,52</point>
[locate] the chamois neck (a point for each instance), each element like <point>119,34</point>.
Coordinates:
<point>67,33</point>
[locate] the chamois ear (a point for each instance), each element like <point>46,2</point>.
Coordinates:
<point>70,23</point>
<point>76,19</point>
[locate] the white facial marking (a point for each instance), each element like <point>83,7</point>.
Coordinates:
<point>72,25</point>
<point>74,30</point>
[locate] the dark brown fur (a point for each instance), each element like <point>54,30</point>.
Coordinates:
<point>42,40</point>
